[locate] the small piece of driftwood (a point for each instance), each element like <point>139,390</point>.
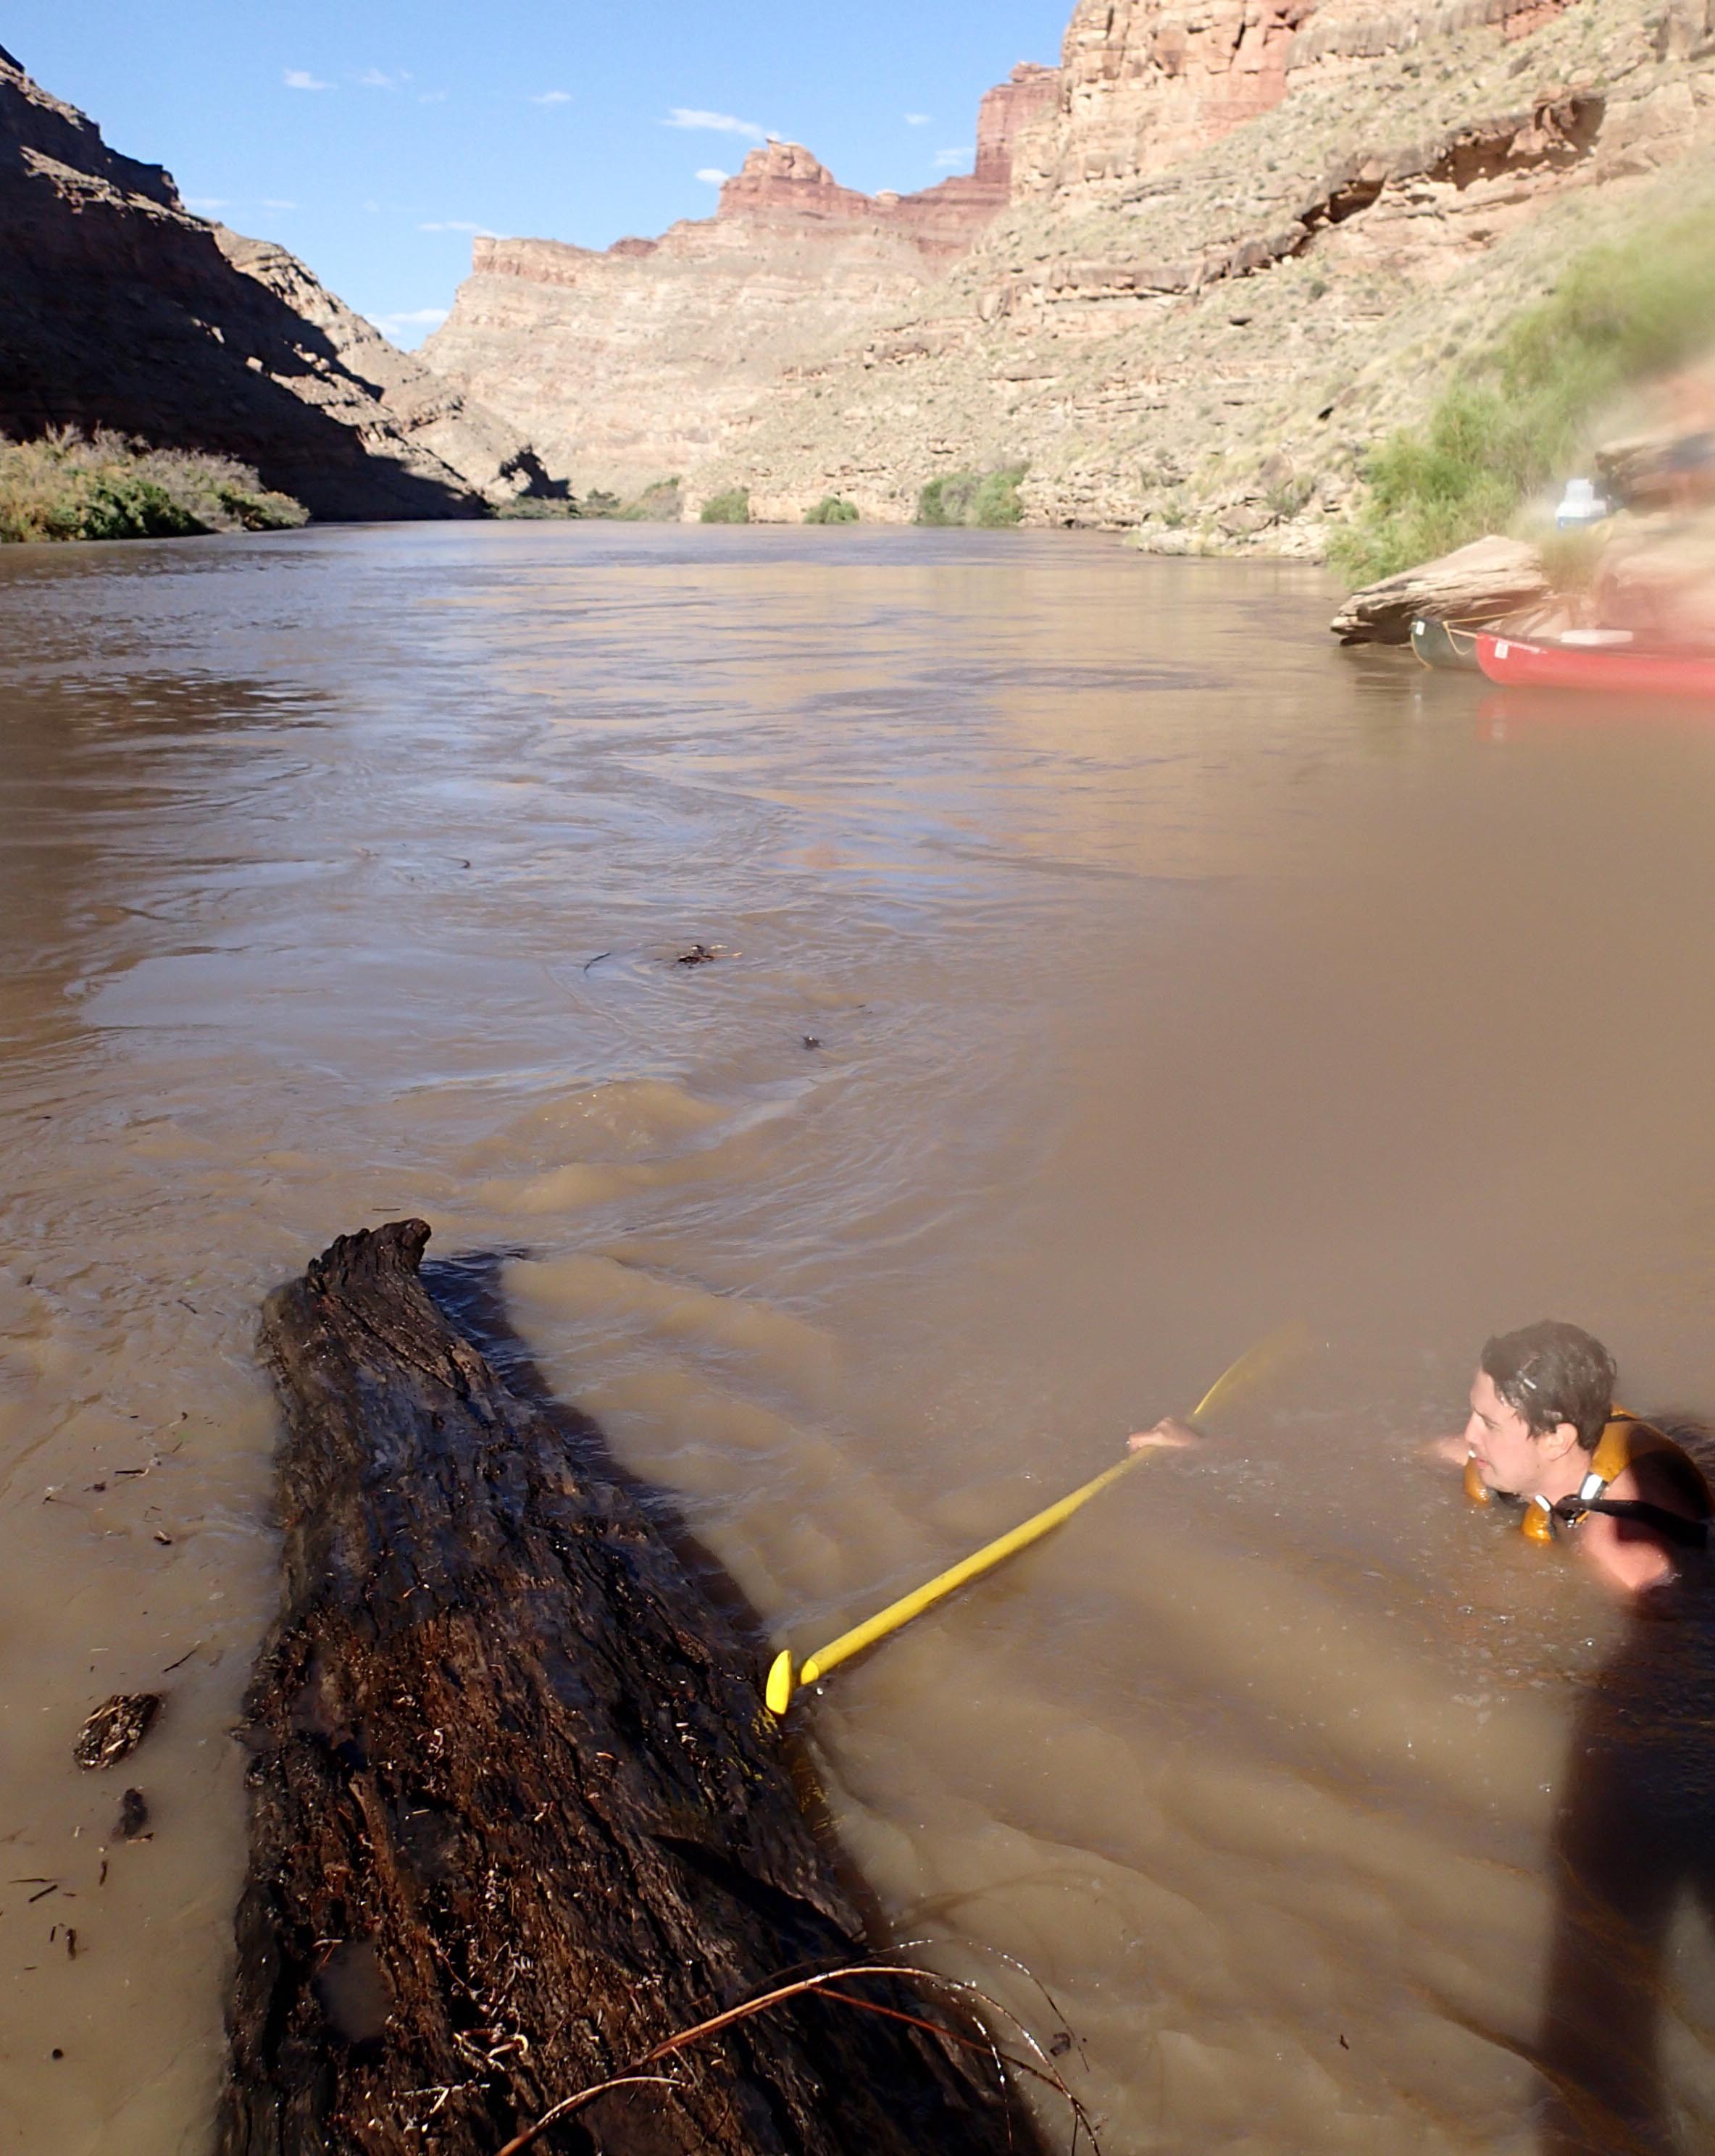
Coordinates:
<point>117,1728</point>
<point>516,1813</point>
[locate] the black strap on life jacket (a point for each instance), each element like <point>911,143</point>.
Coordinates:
<point>1672,1527</point>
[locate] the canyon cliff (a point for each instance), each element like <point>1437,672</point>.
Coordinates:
<point>1241,240</point>
<point>123,310</point>
<point>633,364</point>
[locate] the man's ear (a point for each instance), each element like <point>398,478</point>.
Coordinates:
<point>1557,1442</point>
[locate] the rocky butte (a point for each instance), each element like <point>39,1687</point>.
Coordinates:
<point>122,310</point>
<point>632,365</point>
<point>1242,239</point>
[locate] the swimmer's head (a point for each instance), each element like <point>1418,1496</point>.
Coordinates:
<point>1541,1395</point>
<point>1550,1373</point>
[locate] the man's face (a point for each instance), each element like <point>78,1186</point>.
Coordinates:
<point>1508,1457</point>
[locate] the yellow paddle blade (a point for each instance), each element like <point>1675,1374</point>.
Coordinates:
<point>781,1682</point>
<point>1266,1360</point>
<point>1261,1362</point>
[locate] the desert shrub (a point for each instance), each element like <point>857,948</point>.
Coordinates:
<point>109,486</point>
<point>996,497</point>
<point>1521,411</point>
<point>123,505</point>
<point>598,502</point>
<point>1290,496</point>
<point>659,503</point>
<point>528,508</point>
<point>1570,559</point>
<point>832,509</point>
<point>732,507</point>
<point>253,508</point>
<point>963,497</point>
<point>948,499</point>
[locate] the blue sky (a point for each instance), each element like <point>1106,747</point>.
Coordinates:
<point>373,140</point>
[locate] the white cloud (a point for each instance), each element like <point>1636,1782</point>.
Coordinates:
<point>375,79</point>
<point>301,78</point>
<point>269,202</point>
<point>945,160</point>
<point>713,175</point>
<point>412,318</point>
<point>553,97</point>
<point>204,204</point>
<point>918,119</point>
<point>714,123</point>
<point>431,97</point>
<point>453,224</point>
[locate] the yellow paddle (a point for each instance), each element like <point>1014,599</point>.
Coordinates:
<point>1262,1361</point>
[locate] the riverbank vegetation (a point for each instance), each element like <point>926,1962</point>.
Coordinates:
<point>733,507</point>
<point>832,509</point>
<point>1520,416</point>
<point>109,486</point>
<point>989,498</point>
<point>660,502</point>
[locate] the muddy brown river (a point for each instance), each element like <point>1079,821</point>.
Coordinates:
<point>1108,970</point>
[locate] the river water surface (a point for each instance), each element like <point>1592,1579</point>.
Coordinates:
<point>1109,970</point>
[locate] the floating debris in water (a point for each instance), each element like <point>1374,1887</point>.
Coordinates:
<point>115,1728</point>
<point>704,954</point>
<point>134,1817</point>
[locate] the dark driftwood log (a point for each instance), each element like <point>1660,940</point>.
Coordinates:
<point>517,1814</point>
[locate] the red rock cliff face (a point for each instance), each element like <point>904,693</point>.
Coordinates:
<point>1005,111</point>
<point>1146,84</point>
<point>1207,343</point>
<point>626,365</point>
<point>783,181</point>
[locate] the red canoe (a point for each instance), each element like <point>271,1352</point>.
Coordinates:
<point>1621,669</point>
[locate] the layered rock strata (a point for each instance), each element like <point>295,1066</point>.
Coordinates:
<point>1244,238</point>
<point>1145,86</point>
<point>123,310</point>
<point>1203,343</point>
<point>632,365</point>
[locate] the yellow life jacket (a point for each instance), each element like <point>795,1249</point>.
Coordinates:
<point>1624,1441</point>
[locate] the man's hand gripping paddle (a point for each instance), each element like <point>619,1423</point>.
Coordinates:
<point>1249,1370</point>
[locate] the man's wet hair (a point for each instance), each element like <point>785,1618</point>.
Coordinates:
<point>1551,1374</point>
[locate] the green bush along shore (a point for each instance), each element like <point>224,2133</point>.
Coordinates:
<point>985,498</point>
<point>109,486</point>
<point>832,509</point>
<point>1520,416</point>
<point>659,503</point>
<point>733,507</point>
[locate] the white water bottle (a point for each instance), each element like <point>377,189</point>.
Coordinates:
<point>1579,504</point>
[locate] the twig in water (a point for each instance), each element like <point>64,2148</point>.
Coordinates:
<point>820,1987</point>
<point>596,960</point>
<point>1066,2040</point>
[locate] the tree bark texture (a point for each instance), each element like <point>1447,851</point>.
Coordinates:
<point>516,1811</point>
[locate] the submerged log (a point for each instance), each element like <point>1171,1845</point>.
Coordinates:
<point>516,1813</point>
